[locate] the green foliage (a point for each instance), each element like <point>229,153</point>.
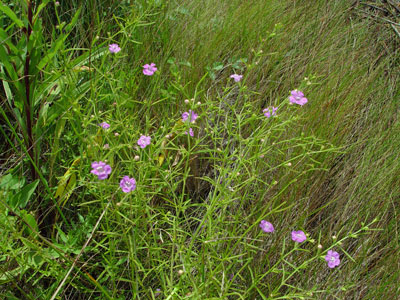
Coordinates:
<point>191,227</point>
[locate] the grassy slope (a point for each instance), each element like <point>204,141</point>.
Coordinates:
<point>353,102</point>
<point>353,105</point>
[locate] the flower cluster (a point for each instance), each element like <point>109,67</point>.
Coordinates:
<point>332,257</point>
<point>102,170</point>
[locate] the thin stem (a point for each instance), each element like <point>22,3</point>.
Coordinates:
<point>28,111</point>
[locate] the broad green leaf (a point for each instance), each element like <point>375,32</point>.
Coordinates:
<point>10,182</point>
<point>218,67</point>
<point>23,196</point>
<point>11,15</point>
<point>31,226</point>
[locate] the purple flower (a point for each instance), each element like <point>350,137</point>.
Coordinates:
<point>298,236</point>
<point>127,184</point>
<point>149,69</point>
<point>297,97</point>
<point>143,141</point>
<point>236,77</point>
<point>270,111</point>
<point>101,169</point>
<point>191,133</point>
<point>104,125</point>
<point>157,293</point>
<point>114,48</point>
<point>191,116</point>
<point>266,226</point>
<point>332,257</point>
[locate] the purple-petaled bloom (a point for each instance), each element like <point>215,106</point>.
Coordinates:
<point>332,257</point>
<point>101,169</point>
<point>191,116</point>
<point>266,226</point>
<point>149,69</point>
<point>270,111</point>
<point>236,77</point>
<point>297,97</point>
<point>127,184</point>
<point>157,293</point>
<point>191,133</point>
<point>104,125</point>
<point>114,48</point>
<point>298,236</point>
<point>143,141</point>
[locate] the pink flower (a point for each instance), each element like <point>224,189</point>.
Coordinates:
<point>101,169</point>
<point>236,77</point>
<point>149,69</point>
<point>127,184</point>
<point>104,125</point>
<point>298,236</point>
<point>332,257</point>
<point>191,116</point>
<point>266,226</point>
<point>270,111</point>
<point>297,97</point>
<point>143,141</point>
<point>114,48</point>
<point>191,133</point>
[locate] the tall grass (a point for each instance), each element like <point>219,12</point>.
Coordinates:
<point>191,227</point>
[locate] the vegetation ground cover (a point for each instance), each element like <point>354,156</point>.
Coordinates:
<point>135,166</point>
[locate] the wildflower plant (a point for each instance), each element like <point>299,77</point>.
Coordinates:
<point>212,215</point>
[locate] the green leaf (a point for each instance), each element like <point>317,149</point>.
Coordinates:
<point>73,21</point>
<point>40,7</point>
<point>52,52</point>
<point>10,182</point>
<point>11,15</point>
<point>31,226</point>
<point>23,196</point>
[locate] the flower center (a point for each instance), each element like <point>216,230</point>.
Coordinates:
<point>298,98</point>
<point>128,184</point>
<point>100,169</point>
<point>332,258</point>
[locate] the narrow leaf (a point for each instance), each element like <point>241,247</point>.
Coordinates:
<point>11,15</point>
